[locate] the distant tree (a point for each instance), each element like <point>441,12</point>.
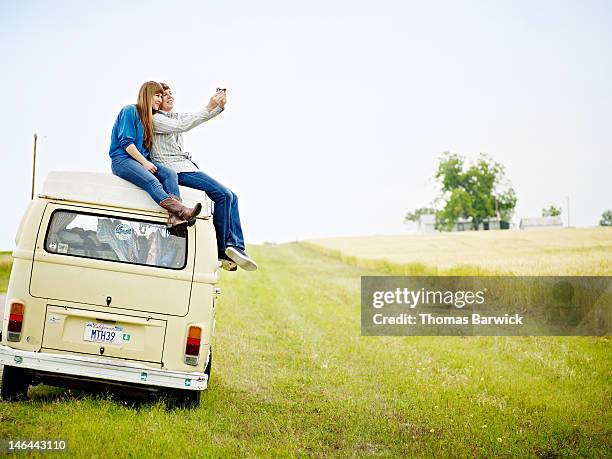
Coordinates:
<point>416,214</point>
<point>477,192</point>
<point>606,218</point>
<point>552,211</point>
<point>458,205</point>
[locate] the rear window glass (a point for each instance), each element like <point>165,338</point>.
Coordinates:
<point>102,237</point>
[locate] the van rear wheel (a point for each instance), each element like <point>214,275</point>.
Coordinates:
<point>209,364</point>
<point>182,398</point>
<point>14,383</point>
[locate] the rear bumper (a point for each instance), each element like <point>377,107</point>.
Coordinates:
<point>128,373</point>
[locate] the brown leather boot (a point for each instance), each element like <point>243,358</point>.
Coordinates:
<point>189,223</point>
<point>174,220</point>
<point>176,208</point>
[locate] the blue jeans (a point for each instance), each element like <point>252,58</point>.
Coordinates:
<point>226,217</point>
<point>159,185</point>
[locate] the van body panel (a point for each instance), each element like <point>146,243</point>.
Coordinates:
<point>110,283</point>
<point>34,317</point>
<point>29,225</point>
<point>207,260</point>
<point>22,223</point>
<point>202,315</point>
<point>143,338</point>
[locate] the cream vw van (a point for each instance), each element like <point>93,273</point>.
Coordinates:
<point>101,292</point>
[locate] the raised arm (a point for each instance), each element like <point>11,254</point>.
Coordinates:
<point>184,122</point>
<point>163,124</point>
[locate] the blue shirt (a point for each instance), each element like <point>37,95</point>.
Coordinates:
<point>128,129</point>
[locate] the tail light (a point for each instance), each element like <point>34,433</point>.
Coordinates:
<point>192,348</point>
<point>15,321</point>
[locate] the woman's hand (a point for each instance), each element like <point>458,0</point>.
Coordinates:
<point>134,153</point>
<point>152,168</point>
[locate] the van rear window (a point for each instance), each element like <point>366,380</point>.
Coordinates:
<point>103,237</point>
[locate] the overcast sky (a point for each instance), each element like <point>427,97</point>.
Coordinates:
<point>338,111</point>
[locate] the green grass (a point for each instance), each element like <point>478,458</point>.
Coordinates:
<point>5,270</point>
<point>292,376</point>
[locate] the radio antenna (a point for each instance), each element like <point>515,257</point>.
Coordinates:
<point>34,165</point>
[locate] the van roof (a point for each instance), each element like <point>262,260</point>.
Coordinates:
<point>110,190</point>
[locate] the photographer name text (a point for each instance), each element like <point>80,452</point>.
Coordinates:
<point>430,319</point>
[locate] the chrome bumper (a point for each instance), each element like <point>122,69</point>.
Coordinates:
<point>102,369</point>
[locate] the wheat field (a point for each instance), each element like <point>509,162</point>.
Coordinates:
<point>563,251</point>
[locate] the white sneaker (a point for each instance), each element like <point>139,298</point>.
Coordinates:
<point>241,258</point>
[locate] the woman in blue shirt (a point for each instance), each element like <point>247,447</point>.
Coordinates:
<point>131,141</point>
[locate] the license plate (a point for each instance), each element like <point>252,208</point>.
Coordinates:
<point>103,333</point>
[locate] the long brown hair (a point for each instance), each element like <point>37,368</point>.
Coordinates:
<point>145,108</point>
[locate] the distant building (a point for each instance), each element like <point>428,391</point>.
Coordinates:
<point>489,224</point>
<point>427,224</point>
<point>463,224</point>
<point>541,222</point>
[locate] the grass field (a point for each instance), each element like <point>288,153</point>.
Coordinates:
<point>565,251</point>
<point>292,376</point>
<point>5,270</point>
